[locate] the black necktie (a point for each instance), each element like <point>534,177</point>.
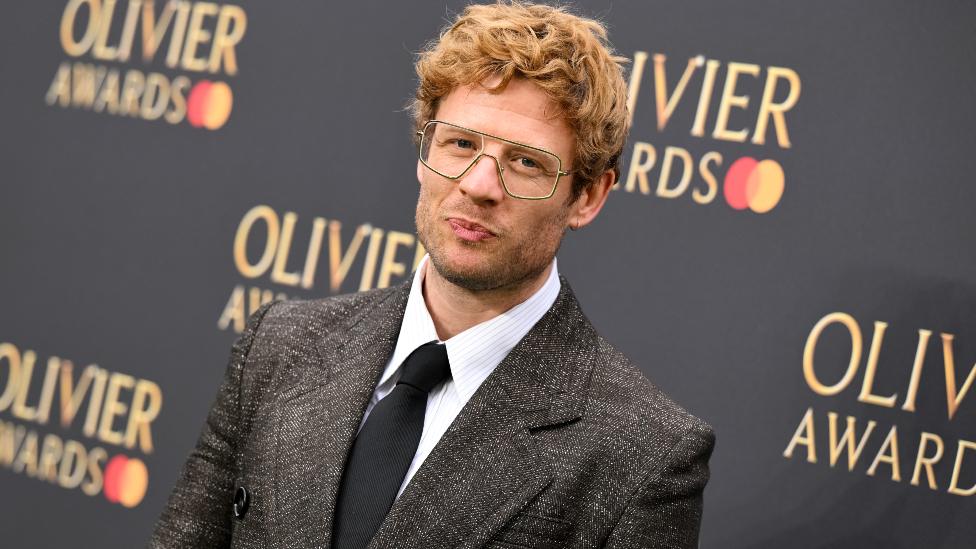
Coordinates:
<point>385,447</point>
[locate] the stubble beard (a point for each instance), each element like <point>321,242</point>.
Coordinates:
<point>517,265</point>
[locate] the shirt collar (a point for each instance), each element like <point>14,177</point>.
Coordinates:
<point>475,352</point>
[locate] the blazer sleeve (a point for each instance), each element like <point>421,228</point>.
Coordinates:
<point>198,512</point>
<point>666,509</point>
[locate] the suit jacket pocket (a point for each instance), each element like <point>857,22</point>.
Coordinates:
<point>528,529</point>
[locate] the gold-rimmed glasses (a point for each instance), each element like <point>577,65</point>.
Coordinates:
<point>526,172</point>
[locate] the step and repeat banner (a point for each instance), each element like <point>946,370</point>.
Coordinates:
<point>788,252</point>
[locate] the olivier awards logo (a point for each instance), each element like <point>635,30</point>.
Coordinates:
<point>746,182</point>
<point>199,38</point>
<point>923,458</point>
<point>106,408</point>
<point>287,251</point>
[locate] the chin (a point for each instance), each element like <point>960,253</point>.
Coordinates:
<point>468,272</point>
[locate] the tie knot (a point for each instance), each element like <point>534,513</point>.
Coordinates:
<point>426,366</point>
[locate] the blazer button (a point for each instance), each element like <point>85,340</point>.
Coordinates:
<point>241,500</point>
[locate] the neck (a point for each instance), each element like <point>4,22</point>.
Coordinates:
<point>455,309</point>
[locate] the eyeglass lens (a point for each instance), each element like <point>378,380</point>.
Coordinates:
<point>451,150</point>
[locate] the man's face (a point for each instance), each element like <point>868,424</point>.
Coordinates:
<point>479,237</point>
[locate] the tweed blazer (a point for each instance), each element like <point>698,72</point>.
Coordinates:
<point>565,444</point>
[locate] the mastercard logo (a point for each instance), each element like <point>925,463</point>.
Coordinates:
<point>754,184</point>
<point>126,480</point>
<point>209,104</point>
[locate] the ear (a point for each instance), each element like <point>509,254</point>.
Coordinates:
<point>591,200</point>
<point>420,171</point>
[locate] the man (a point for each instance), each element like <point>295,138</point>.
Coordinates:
<point>475,405</point>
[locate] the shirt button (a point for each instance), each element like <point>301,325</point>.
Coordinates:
<point>241,501</point>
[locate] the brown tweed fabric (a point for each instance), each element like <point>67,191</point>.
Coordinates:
<point>565,444</point>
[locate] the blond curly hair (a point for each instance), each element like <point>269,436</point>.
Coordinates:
<point>566,55</point>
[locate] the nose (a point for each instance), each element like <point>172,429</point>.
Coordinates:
<point>483,183</point>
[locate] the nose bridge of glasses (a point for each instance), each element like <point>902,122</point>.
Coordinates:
<point>496,148</point>
<point>482,154</point>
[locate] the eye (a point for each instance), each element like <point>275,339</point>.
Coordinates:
<point>462,143</point>
<point>528,163</point>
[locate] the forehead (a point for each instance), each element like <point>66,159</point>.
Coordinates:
<point>521,112</point>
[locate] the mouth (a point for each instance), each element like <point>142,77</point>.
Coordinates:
<point>469,230</point>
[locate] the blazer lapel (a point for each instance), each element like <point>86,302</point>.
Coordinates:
<point>320,411</point>
<point>487,466</point>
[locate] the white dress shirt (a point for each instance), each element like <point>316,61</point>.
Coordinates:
<point>473,354</point>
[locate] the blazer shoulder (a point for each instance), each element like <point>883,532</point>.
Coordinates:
<point>283,335</point>
<point>302,319</point>
<point>653,431</point>
<point>618,380</point>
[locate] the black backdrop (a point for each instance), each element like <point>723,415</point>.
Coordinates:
<point>117,239</point>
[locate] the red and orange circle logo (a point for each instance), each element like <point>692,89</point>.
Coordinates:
<point>209,104</point>
<point>126,480</point>
<point>757,185</point>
